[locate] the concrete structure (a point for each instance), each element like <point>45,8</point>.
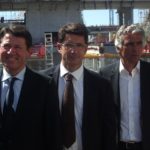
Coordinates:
<point>48,15</point>
<point>44,17</point>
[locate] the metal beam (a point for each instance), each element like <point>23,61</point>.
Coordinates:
<point>84,4</point>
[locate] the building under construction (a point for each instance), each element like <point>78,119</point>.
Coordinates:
<point>43,18</point>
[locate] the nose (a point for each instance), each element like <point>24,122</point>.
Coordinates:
<point>73,50</point>
<point>72,47</point>
<point>11,50</point>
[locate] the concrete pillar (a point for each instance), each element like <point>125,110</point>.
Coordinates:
<point>128,16</point>
<point>120,17</point>
<point>125,16</point>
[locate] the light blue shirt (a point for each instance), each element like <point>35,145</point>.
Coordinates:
<point>5,81</point>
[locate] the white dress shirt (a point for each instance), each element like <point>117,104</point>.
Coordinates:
<point>78,101</point>
<point>5,81</point>
<point>130,103</point>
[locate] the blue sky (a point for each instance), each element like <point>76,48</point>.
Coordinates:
<point>101,17</point>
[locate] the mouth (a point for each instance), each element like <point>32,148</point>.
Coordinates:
<point>11,58</point>
<point>136,55</point>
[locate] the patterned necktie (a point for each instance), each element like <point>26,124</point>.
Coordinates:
<point>68,119</point>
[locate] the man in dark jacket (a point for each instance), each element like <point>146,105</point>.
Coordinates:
<point>130,78</point>
<point>93,96</point>
<point>29,118</point>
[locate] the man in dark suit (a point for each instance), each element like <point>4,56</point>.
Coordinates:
<point>31,120</point>
<point>130,78</point>
<point>93,97</point>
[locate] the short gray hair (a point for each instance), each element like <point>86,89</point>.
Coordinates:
<point>124,30</point>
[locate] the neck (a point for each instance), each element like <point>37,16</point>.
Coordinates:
<point>72,68</point>
<point>129,67</point>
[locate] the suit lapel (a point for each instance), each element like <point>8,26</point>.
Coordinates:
<point>55,83</point>
<point>24,93</point>
<point>144,89</point>
<point>88,115</point>
<point>114,78</point>
<point>144,78</point>
<point>86,97</point>
<point>0,96</point>
<point>56,76</point>
<point>115,83</point>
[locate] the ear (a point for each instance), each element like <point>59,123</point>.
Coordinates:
<point>118,49</point>
<point>86,48</point>
<point>29,52</point>
<point>58,45</point>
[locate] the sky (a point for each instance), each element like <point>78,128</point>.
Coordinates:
<point>90,17</point>
<point>101,17</point>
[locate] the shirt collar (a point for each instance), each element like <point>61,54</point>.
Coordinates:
<point>134,71</point>
<point>19,76</point>
<point>76,74</point>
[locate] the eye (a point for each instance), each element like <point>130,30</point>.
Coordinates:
<point>139,43</point>
<point>17,47</point>
<point>129,44</point>
<point>80,45</point>
<point>7,46</point>
<point>133,43</point>
<point>74,45</point>
<point>69,45</point>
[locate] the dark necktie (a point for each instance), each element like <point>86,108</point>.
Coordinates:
<point>68,119</point>
<point>8,113</point>
<point>10,99</point>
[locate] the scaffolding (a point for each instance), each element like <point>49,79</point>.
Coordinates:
<point>143,15</point>
<point>48,49</point>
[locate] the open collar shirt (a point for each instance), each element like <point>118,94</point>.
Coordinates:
<point>130,103</point>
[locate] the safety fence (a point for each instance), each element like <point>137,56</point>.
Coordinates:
<point>92,62</point>
<point>95,62</point>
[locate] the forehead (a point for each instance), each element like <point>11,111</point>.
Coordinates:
<point>74,37</point>
<point>9,38</point>
<point>133,37</point>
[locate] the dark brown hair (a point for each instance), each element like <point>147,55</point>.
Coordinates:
<point>73,28</point>
<point>18,31</point>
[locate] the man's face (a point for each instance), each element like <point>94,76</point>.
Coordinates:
<point>72,51</point>
<point>13,53</point>
<point>132,47</point>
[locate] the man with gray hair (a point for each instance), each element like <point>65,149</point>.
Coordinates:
<point>130,78</point>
